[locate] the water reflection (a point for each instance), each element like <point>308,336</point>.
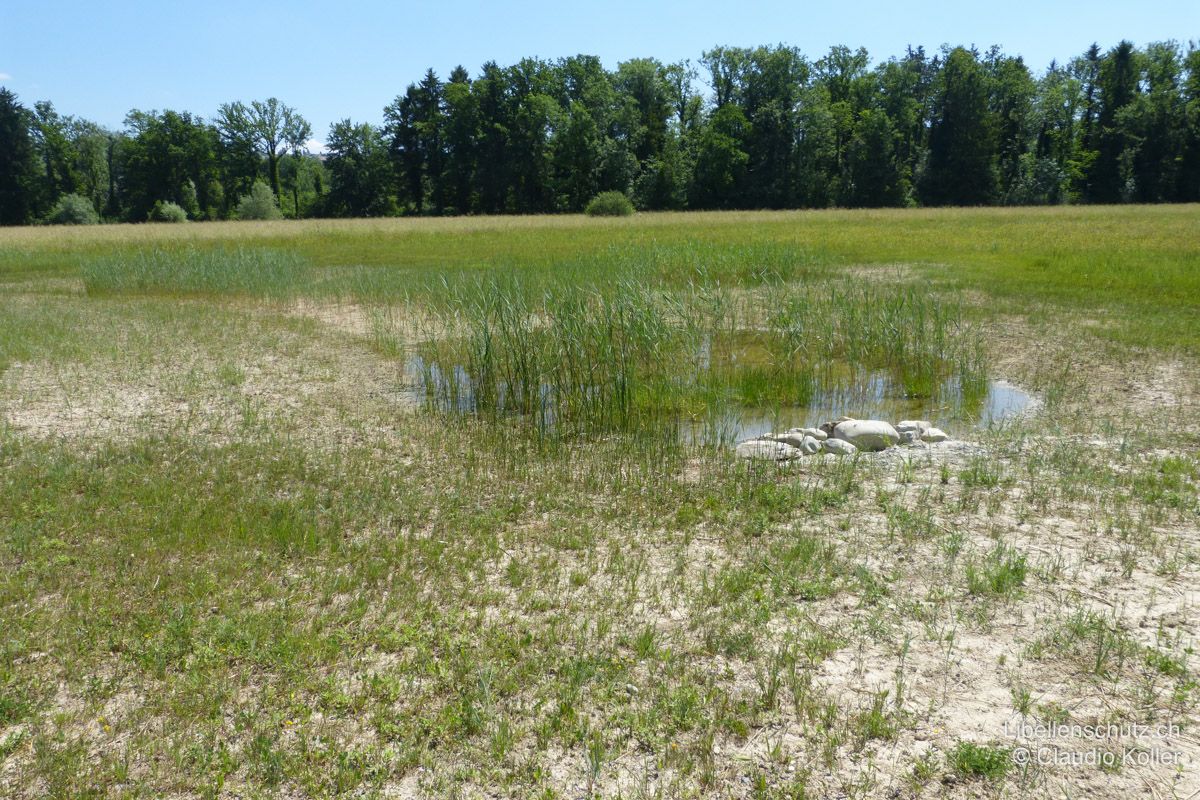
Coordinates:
<point>875,396</point>
<point>841,392</point>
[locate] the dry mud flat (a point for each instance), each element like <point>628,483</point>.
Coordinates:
<point>311,387</point>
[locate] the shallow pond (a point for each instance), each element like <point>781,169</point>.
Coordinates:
<point>872,398</point>
<point>863,395</point>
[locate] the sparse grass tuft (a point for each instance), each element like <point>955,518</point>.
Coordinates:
<point>1002,573</point>
<point>972,760</point>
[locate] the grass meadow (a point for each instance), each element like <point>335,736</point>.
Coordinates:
<point>449,508</point>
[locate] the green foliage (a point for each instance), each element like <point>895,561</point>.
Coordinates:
<point>972,760</point>
<point>962,137</point>
<point>165,157</point>
<point>981,473</point>
<point>1002,574</point>
<point>721,160</point>
<point>71,209</point>
<point>663,181</point>
<point>876,175</point>
<point>360,173</point>
<point>268,129</point>
<point>609,204</point>
<point>189,200</point>
<point>166,211</point>
<point>56,151</point>
<point>18,165</point>
<point>258,204</point>
<point>780,130</point>
<point>1103,647</point>
<point>1113,178</point>
<point>567,360</point>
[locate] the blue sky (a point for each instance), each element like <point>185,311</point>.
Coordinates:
<point>333,60</point>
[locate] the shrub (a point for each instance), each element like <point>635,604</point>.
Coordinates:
<point>71,209</point>
<point>166,211</point>
<point>259,203</point>
<point>609,204</point>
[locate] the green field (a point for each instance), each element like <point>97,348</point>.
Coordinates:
<point>402,508</point>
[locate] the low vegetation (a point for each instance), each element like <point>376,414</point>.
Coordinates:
<point>431,508</point>
<point>192,271</point>
<point>980,761</point>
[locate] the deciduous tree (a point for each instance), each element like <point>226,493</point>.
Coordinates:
<point>269,129</point>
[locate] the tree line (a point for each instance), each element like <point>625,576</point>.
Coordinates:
<point>775,130</point>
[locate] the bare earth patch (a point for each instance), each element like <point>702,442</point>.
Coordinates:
<point>315,387</point>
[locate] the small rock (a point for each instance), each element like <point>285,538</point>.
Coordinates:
<point>794,437</point>
<point>909,436</point>
<point>918,425</point>
<point>838,447</point>
<point>810,446</point>
<point>934,435</point>
<point>767,450</point>
<point>828,427</point>
<point>867,434</point>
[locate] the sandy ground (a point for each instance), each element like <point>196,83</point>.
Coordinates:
<point>323,388</point>
<point>957,684</point>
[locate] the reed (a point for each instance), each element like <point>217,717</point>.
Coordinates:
<point>191,270</point>
<point>574,361</point>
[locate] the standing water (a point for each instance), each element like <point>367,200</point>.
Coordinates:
<point>842,393</point>
<point>875,396</point>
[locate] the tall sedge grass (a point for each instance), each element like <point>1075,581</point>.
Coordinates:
<point>920,340</point>
<point>252,271</point>
<point>1137,268</point>
<point>570,360</point>
<point>577,361</point>
<point>286,270</point>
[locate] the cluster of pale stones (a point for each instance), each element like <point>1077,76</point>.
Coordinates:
<point>845,436</point>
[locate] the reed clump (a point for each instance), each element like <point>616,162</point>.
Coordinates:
<point>631,358</point>
<point>190,270</point>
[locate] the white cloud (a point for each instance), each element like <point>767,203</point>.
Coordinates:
<point>315,147</point>
<point>4,76</point>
